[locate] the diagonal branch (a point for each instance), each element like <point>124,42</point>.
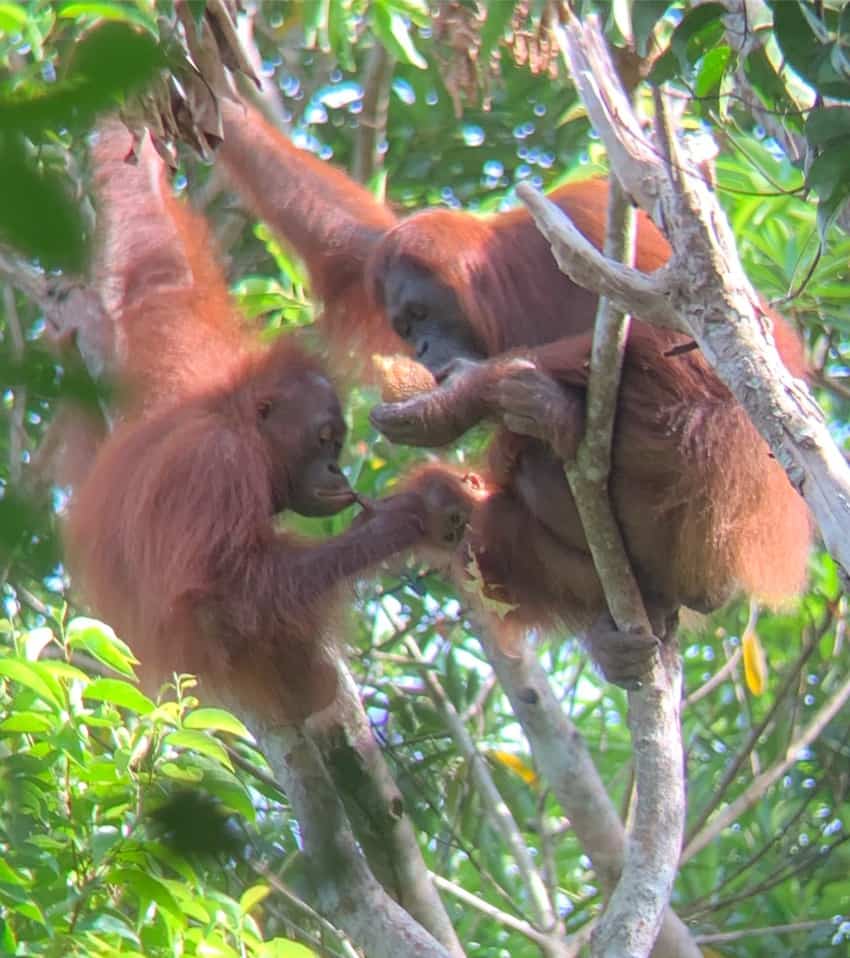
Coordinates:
<point>564,761</point>
<point>376,811</point>
<point>761,783</point>
<point>545,917</point>
<point>346,889</point>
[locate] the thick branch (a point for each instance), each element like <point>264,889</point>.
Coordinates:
<point>628,289</point>
<point>376,810</point>
<point>565,763</point>
<point>346,890</point>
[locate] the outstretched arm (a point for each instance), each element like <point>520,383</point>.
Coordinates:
<point>433,511</point>
<point>330,220</point>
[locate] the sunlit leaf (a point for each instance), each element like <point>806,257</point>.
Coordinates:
<point>146,887</point>
<point>252,897</point>
<point>394,33</point>
<point>100,641</point>
<point>33,676</point>
<point>199,742</point>
<point>12,17</point>
<point>217,719</point>
<point>514,763</point>
<point>120,693</point>
<point>755,663</point>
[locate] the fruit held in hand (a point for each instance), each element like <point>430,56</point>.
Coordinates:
<point>401,377</point>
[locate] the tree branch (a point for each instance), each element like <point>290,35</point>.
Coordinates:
<point>565,763</point>
<point>636,907</point>
<point>346,890</point>
<point>372,126</point>
<point>705,286</point>
<point>545,917</point>
<point>762,782</point>
<point>375,809</point>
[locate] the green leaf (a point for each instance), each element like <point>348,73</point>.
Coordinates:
<point>8,945</point>
<point>146,888</point>
<point>392,30</point>
<point>232,794</point>
<point>181,773</point>
<point>831,170</point>
<point>112,925</point>
<point>770,86</point>
<point>120,693</point>
<point>644,17</point>
<point>30,910</point>
<point>217,719</point>
<point>827,123</point>
<point>37,215</point>
<point>8,876</point>
<point>284,948</point>
<point>805,45</point>
<point>498,17</point>
<point>711,70</point>
<point>26,722</point>
<point>100,641</point>
<point>252,897</point>
<point>203,744</point>
<point>697,32</point>
<point>34,677</point>
<point>126,12</point>
<point>109,62</point>
<point>12,17</point>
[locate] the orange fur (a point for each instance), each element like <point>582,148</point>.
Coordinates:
<point>704,508</point>
<point>171,536</point>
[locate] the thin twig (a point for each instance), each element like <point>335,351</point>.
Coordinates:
<point>771,775</point>
<point>497,810</point>
<point>719,793</point>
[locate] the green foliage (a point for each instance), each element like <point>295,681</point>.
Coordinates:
<point>110,61</point>
<point>117,812</point>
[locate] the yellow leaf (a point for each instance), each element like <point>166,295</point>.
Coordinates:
<point>755,664</point>
<point>514,763</point>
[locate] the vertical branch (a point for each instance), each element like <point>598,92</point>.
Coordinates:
<point>635,910</point>
<point>373,119</point>
<point>564,761</point>
<point>588,475</point>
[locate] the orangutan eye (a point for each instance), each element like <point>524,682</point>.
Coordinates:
<point>264,408</point>
<point>326,433</point>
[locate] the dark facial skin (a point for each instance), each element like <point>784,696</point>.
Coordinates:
<point>427,315</point>
<point>304,429</point>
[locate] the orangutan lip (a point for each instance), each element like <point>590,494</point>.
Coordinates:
<point>347,496</point>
